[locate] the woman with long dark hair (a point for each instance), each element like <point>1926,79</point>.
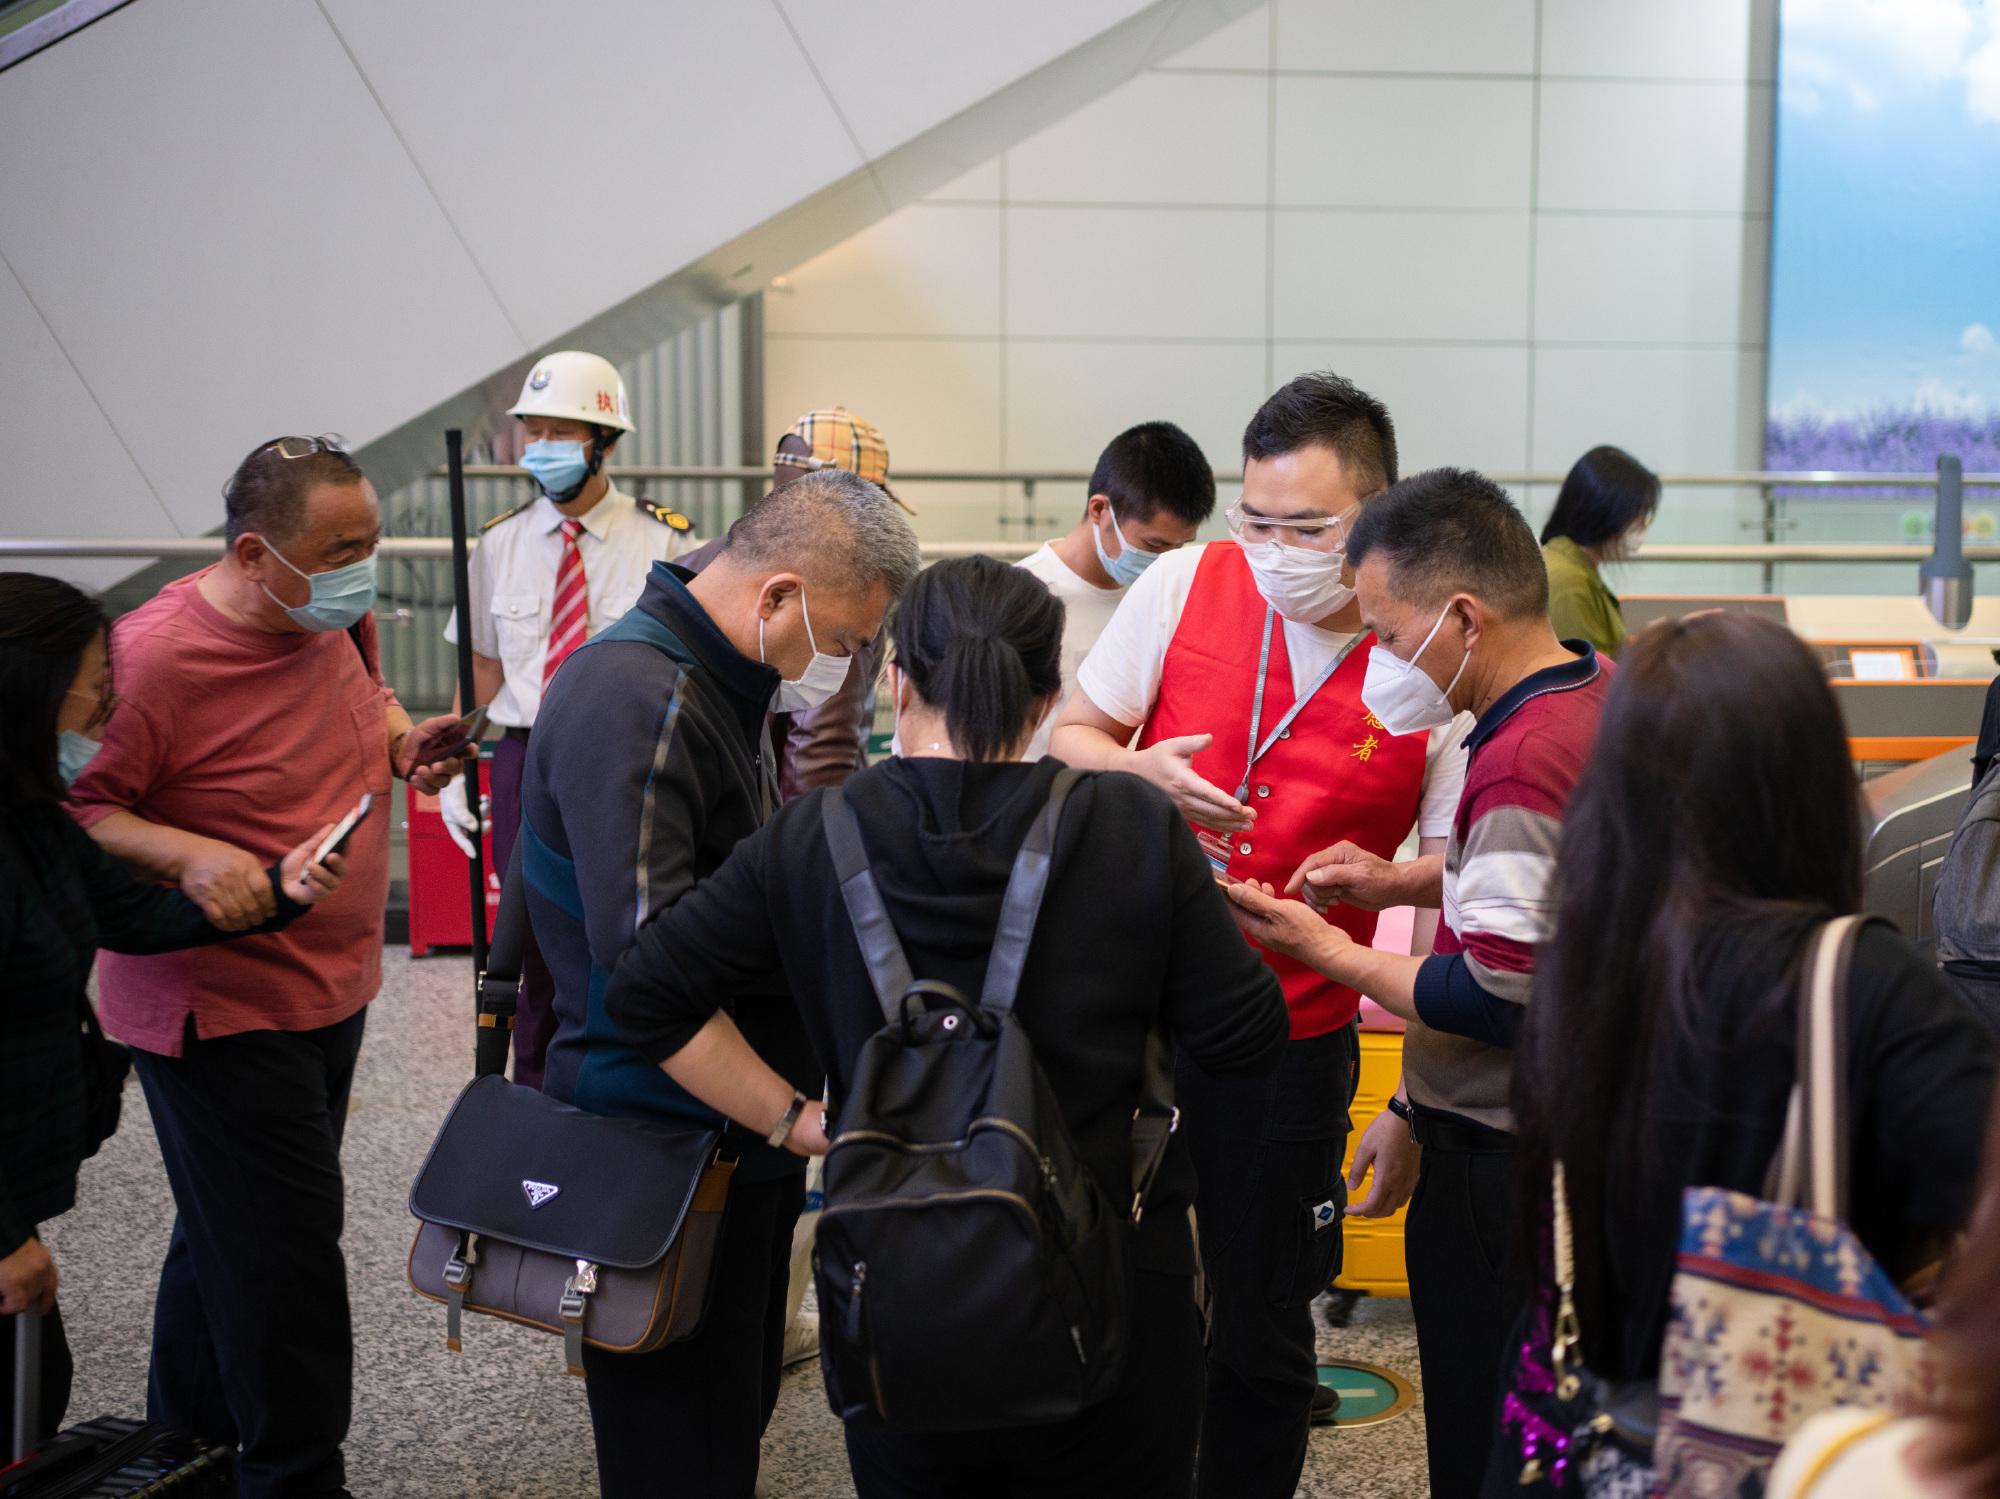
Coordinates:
<point>61,899</point>
<point>1715,829</point>
<point>1132,938</point>
<point>1606,502</point>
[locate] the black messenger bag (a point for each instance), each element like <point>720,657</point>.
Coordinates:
<point>972,1273</point>
<point>603,1230</point>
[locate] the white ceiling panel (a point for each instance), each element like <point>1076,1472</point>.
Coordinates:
<point>68,474</point>
<point>587,155</point>
<point>229,250</point>
<point>898,67</point>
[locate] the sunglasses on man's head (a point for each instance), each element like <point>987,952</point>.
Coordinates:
<point>305,447</point>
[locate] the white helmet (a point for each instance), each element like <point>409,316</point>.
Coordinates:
<point>577,387</point>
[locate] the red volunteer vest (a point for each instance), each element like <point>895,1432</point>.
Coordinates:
<point>1336,775</point>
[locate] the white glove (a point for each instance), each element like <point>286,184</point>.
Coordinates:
<point>458,818</point>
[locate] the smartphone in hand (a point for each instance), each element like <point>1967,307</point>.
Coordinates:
<point>336,841</point>
<point>456,740</point>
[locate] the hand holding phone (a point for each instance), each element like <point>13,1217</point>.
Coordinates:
<point>335,842</point>
<point>454,741</point>
<point>313,871</point>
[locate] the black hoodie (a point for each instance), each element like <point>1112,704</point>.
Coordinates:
<point>1133,933</point>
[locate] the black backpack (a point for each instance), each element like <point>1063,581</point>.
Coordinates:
<point>971,1273</point>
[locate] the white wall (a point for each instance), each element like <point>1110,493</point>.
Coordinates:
<point>1529,225</point>
<point>229,219</point>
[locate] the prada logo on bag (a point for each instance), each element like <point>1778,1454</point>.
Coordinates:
<point>539,1192</point>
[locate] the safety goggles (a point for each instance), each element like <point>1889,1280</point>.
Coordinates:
<point>1313,534</point>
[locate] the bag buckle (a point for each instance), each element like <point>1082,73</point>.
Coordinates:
<point>571,1308</point>
<point>458,1280</point>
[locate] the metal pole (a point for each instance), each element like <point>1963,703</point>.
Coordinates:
<point>1944,579</point>
<point>461,592</point>
<point>1770,569</point>
<point>757,445</point>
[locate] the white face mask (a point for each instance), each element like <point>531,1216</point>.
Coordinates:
<point>1300,584</point>
<point>1401,694</point>
<point>823,677</point>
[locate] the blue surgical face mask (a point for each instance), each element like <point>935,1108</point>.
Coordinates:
<point>339,598</point>
<point>559,467</point>
<point>1129,563</point>
<point>73,752</point>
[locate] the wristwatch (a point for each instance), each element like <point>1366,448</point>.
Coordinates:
<point>782,1130</point>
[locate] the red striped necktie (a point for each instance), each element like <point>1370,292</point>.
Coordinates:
<point>571,620</point>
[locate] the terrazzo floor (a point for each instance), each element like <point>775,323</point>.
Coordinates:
<point>503,1418</point>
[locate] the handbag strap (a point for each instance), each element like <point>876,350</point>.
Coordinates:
<point>1811,1168</point>
<point>1568,1335</point>
<point>499,988</point>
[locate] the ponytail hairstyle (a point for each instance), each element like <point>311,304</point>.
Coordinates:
<point>982,642</point>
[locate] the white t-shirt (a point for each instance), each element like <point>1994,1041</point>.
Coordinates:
<point>1088,610</point>
<point>513,583</point>
<point>1121,675</point>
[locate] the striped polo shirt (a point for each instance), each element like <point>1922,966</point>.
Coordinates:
<point>1524,758</point>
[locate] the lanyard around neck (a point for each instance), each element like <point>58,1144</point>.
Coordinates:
<point>1259,750</point>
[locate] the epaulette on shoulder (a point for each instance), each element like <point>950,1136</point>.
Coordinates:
<point>666,517</point>
<point>504,515</point>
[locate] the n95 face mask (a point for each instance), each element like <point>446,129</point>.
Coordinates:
<point>1401,694</point>
<point>823,677</point>
<point>1301,584</point>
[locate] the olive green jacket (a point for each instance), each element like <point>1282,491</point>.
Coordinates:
<point>1581,607</point>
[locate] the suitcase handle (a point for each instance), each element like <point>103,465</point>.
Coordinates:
<point>27,1383</point>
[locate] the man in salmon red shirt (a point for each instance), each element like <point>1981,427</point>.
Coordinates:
<point>1452,583</point>
<point>1244,660</point>
<point>252,705</point>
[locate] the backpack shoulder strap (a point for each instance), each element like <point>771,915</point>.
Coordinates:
<point>881,950</point>
<point>1023,901</point>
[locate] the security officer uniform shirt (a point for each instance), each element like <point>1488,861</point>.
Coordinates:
<point>513,582</point>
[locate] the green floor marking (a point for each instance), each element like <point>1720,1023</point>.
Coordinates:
<point>1369,1394</point>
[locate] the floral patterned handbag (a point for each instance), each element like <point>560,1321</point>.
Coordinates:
<point>1778,1312</point>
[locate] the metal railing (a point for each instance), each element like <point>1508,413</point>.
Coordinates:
<point>414,593</point>
<point>438,548</point>
<point>1767,552</point>
<point>1748,478</point>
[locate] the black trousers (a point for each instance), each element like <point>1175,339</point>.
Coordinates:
<point>58,1372</point>
<point>1139,1441</point>
<point>1267,1152</point>
<point>251,1340</point>
<point>1458,1241</point>
<point>687,1420</point>
<point>535,1005</point>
